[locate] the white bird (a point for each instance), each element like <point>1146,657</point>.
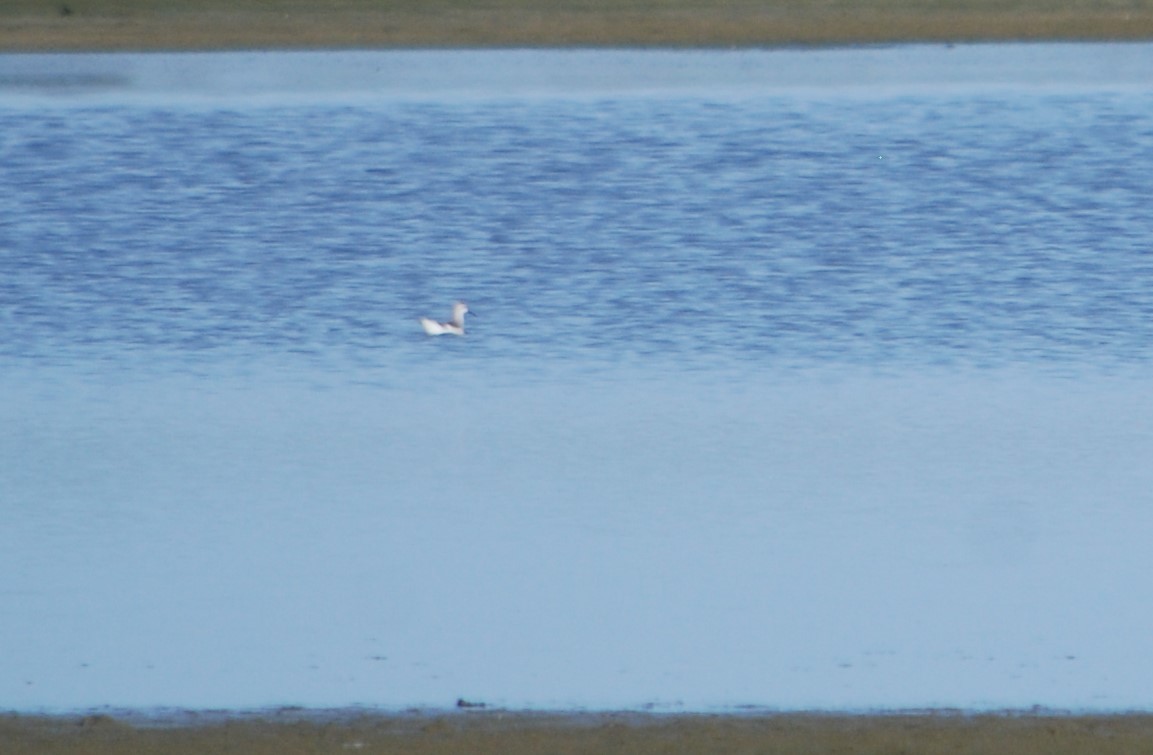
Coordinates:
<point>455,326</point>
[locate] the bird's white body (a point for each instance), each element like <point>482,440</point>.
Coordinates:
<point>455,326</point>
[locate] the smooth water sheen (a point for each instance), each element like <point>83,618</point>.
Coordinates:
<point>798,379</point>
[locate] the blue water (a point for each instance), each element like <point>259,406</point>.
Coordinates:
<point>786,396</point>
<point>895,232</point>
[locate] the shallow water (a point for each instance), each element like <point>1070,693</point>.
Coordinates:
<point>783,391</point>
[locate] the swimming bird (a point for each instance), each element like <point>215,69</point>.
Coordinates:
<point>454,326</point>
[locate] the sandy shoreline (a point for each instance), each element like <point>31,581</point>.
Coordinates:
<point>292,732</point>
<point>75,25</point>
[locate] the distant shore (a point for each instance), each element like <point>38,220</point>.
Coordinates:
<point>97,25</point>
<point>510,733</point>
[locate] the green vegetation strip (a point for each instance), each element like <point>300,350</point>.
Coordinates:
<point>46,25</point>
<point>632,734</point>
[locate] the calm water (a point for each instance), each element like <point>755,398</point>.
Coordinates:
<point>798,379</point>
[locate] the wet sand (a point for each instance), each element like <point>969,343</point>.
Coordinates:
<point>635,734</point>
<point>50,25</point>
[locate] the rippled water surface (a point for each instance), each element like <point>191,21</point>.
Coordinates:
<point>820,391</point>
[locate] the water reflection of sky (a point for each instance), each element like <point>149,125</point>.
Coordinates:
<point>842,542</point>
<point>743,464</point>
<point>424,73</point>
